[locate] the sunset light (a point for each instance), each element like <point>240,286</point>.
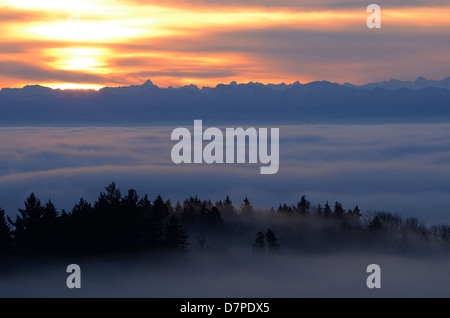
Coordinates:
<point>113,43</point>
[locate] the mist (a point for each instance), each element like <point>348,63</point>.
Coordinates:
<point>238,274</point>
<point>399,168</point>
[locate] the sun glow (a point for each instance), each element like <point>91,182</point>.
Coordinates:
<point>199,43</point>
<point>81,59</point>
<point>72,86</point>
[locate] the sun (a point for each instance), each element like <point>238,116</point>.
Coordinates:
<point>64,86</point>
<point>86,59</point>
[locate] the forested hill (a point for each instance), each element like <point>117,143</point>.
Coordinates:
<point>128,223</point>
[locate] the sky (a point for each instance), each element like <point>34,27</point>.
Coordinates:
<point>91,44</point>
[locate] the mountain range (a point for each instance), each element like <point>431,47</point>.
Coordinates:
<point>315,102</point>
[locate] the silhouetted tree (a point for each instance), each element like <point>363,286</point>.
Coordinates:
<point>175,237</point>
<point>338,210</point>
<point>327,210</point>
<point>178,209</point>
<point>160,209</point>
<point>149,230</point>
<point>81,210</point>
<point>144,203</point>
<point>272,240</point>
<point>6,242</point>
<point>441,232</point>
<point>259,245</point>
<point>28,226</point>
<point>387,220</point>
<point>413,225</point>
<point>50,228</point>
<point>214,215</point>
<point>131,217</point>
<point>319,210</point>
<point>228,204</point>
<point>285,210</point>
<point>303,206</point>
<point>81,232</point>
<point>210,216</point>
<point>191,209</point>
<point>246,209</point>
<point>117,223</point>
<point>109,223</point>
<point>202,212</point>
<point>109,200</point>
<point>375,224</point>
<point>130,200</point>
<point>227,209</point>
<point>169,206</point>
<point>356,211</point>
<point>159,213</point>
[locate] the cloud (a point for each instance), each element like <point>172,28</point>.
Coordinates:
<point>293,4</point>
<point>402,168</point>
<point>294,53</point>
<point>31,72</point>
<point>213,42</point>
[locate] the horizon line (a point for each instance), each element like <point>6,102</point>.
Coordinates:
<point>149,82</point>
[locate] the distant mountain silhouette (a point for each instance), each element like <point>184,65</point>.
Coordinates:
<point>394,84</point>
<point>315,102</point>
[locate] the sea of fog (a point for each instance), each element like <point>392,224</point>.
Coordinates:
<point>398,168</point>
<point>236,275</point>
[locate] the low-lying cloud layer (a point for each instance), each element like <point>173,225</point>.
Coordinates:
<point>399,168</point>
<point>235,276</point>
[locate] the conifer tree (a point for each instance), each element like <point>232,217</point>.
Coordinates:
<point>175,237</point>
<point>6,242</point>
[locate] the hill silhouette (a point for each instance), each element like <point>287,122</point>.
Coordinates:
<point>117,223</point>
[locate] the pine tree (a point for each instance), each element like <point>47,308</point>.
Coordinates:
<point>246,209</point>
<point>227,209</point>
<point>202,215</point>
<point>210,216</point>
<point>109,200</point>
<point>6,242</point>
<point>108,221</point>
<point>178,209</point>
<point>148,229</point>
<point>272,240</point>
<point>50,228</point>
<point>227,203</point>
<point>160,211</point>
<point>28,226</point>
<point>214,215</point>
<point>285,209</point>
<point>338,210</point>
<point>131,217</point>
<point>303,206</point>
<point>82,209</point>
<point>82,229</point>
<point>327,210</point>
<point>259,245</point>
<point>175,237</point>
<point>319,210</point>
<point>189,214</point>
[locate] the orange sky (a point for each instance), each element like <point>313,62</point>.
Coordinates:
<point>90,44</point>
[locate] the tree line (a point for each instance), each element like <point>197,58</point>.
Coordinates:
<point>128,223</point>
